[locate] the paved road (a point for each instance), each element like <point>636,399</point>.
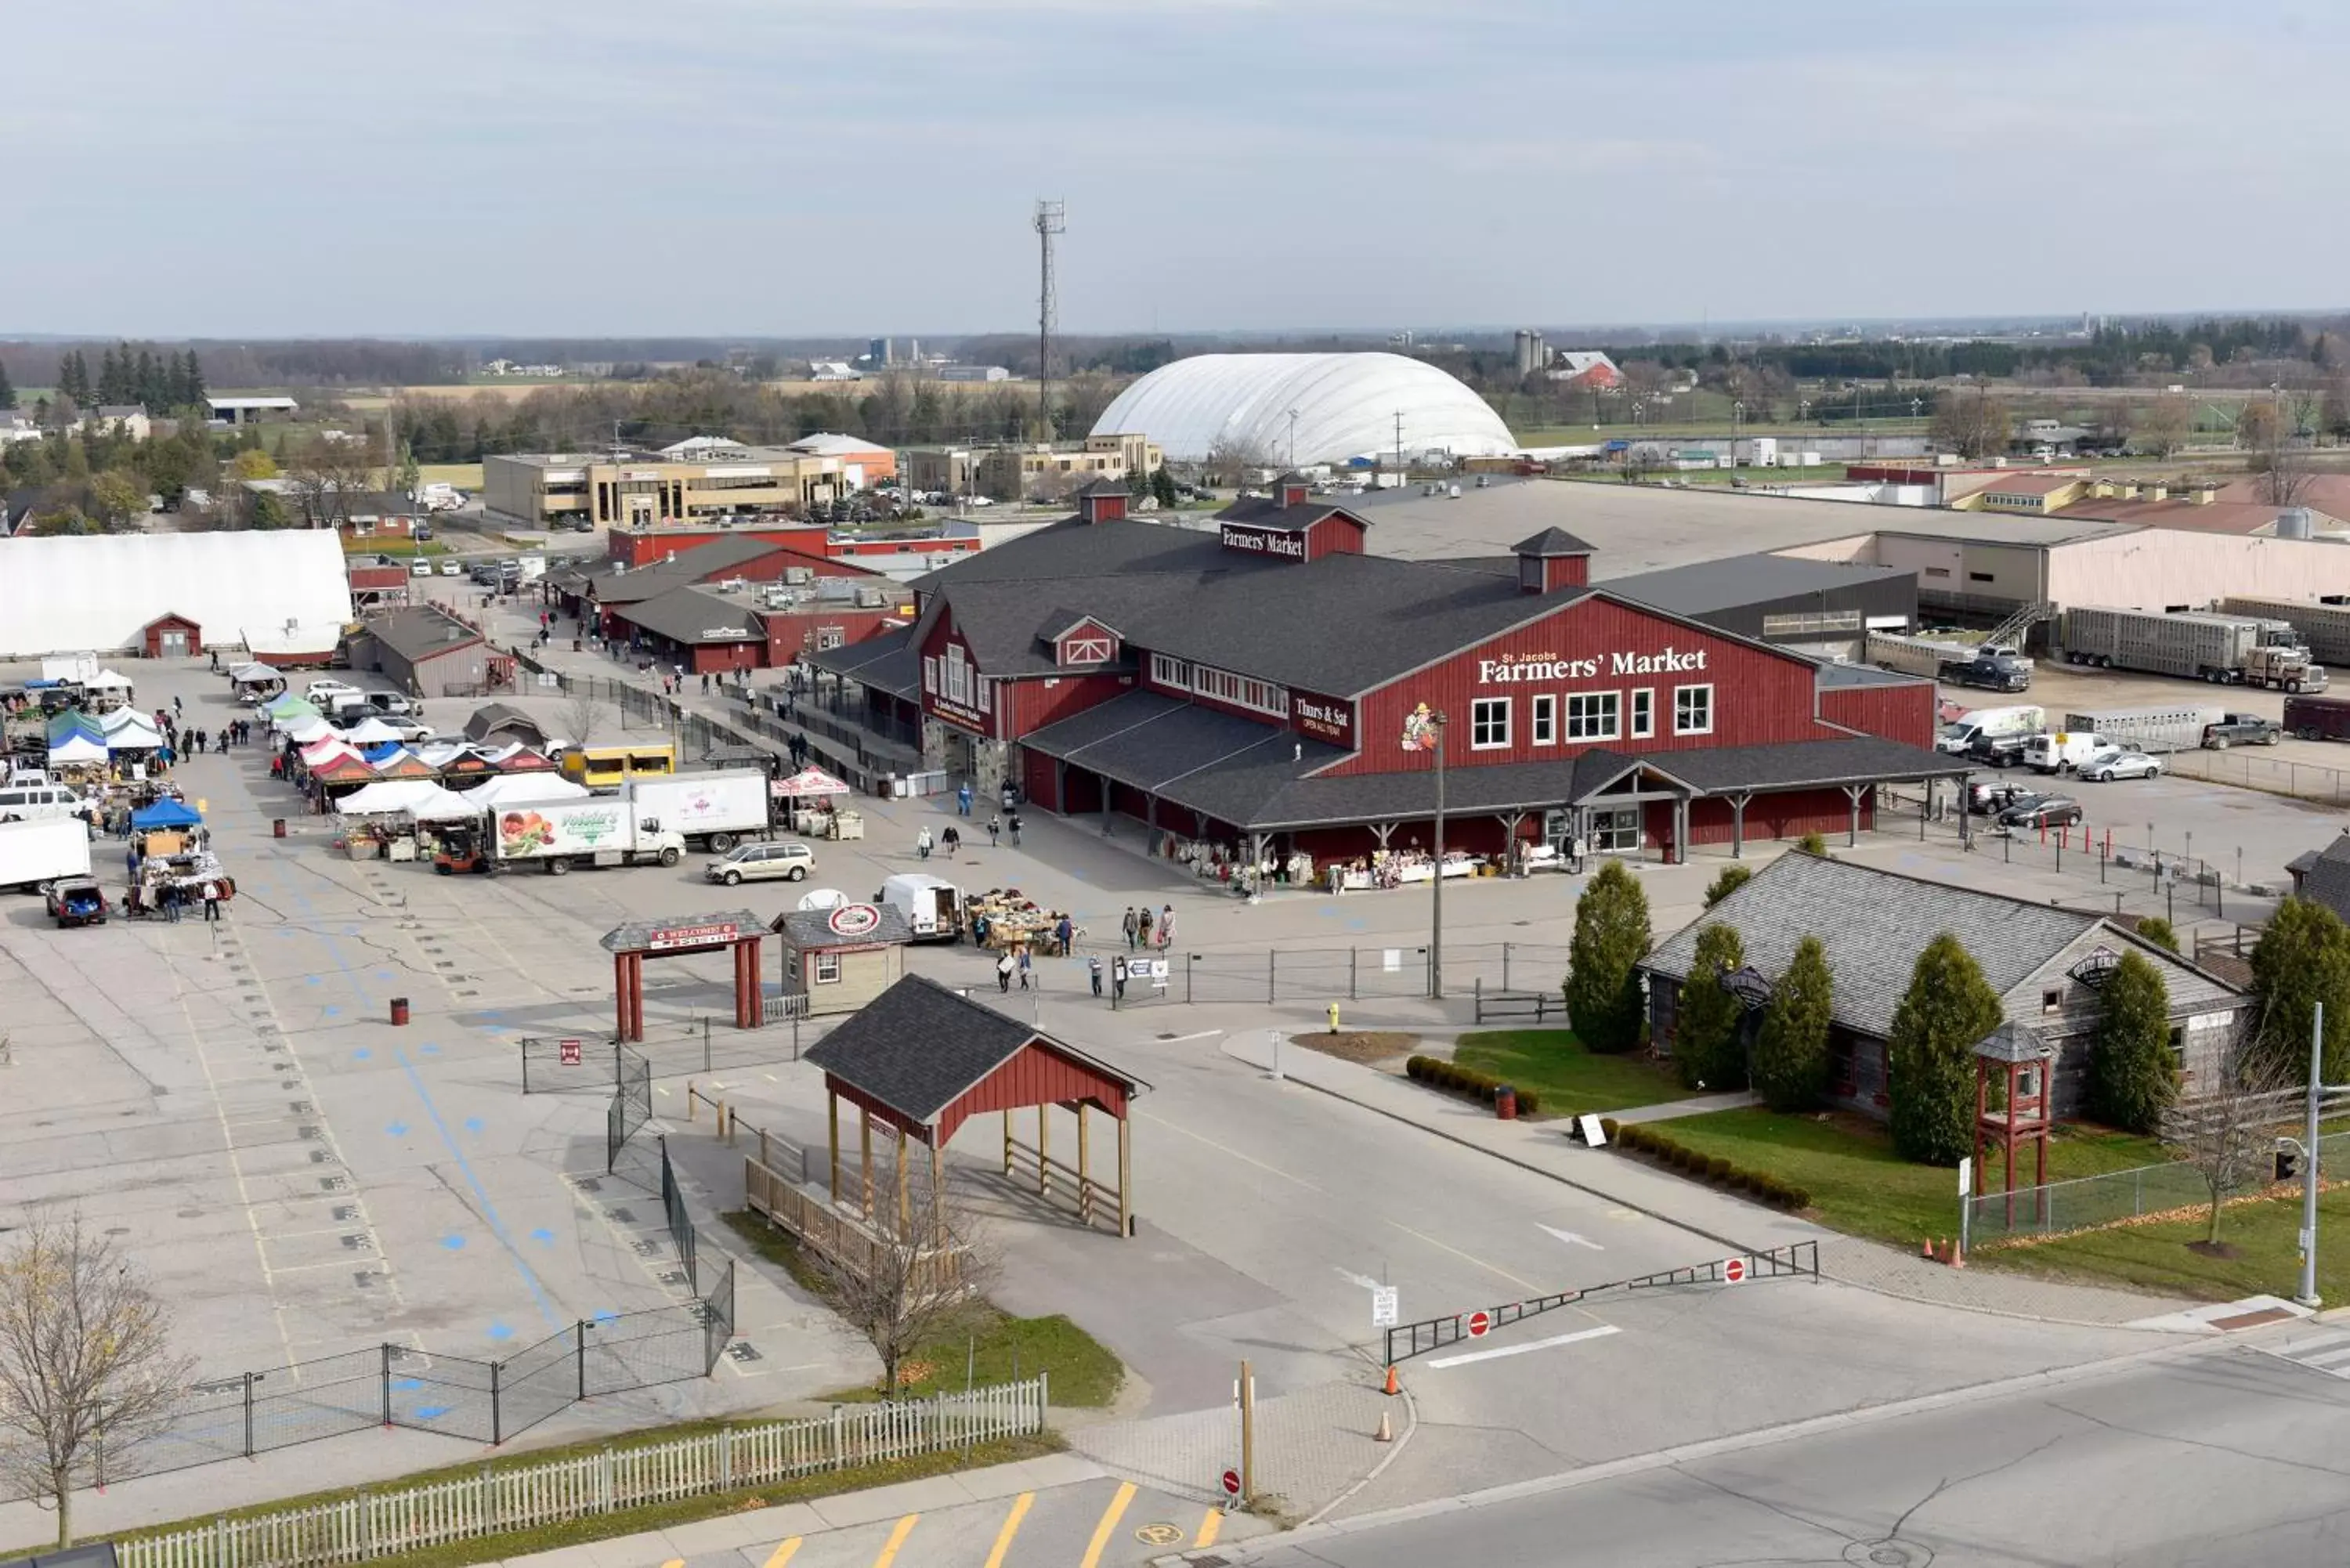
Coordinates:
<point>2229,1457</point>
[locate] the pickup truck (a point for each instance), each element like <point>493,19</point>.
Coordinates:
<point>2001,750</point>
<point>2241,729</point>
<point>1992,672</point>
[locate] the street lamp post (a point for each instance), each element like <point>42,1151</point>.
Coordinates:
<point>1436,883</point>
<point>2308,1296</point>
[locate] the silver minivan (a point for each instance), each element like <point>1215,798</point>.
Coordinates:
<point>761,862</point>
<point>31,803</point>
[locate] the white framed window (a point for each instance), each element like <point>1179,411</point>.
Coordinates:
<point>1693,710</point>
<point>1594,715</point>
<point>1545,720</point>
<point>827,969</point>
<point>955,673</point>
<point>931,674</point>
<point>1644,713</point>
<point>1489,723</point>
<point>1168,670</point>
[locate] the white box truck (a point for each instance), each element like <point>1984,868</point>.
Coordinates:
<point>931,905</point>
<point>716,810</point>
<point>602,830</point>
<point>35,852</point>
<point>2062,751</point>
<point>1972,731</point>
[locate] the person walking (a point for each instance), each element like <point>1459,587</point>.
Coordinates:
<point>1130,925</point>
<point>951,839</point>
<point>1003,967</point>
<point>1014,824</point>
<point>962,799</point>
<point>215,660</point>
<point>1142,923</point>
<point>1166,926</point>
<point>211,901</point>
<point>1064,932</point>
<point>169,895</point>
<point>922,841</point>
<point>1093,972</point>
<point>178,706</point>
<point>994,830</point>
<point>1027,965</point>
<point>1008,797</point>
<point>1117,979</point>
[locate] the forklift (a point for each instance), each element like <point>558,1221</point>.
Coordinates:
<point>462,847</point>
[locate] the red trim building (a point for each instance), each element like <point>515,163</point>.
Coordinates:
<point>1273,685</point>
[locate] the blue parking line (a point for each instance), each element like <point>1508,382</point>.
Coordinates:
<point>481,1193</point>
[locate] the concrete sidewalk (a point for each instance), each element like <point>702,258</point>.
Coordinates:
<point>1706,1214</point>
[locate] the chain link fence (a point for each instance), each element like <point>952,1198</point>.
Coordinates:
<point>581,1063</point>
<point>2092,1202</point>
<point>1331,974</point>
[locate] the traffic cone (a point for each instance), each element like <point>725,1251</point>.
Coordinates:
<point>1384,1434</point>
<point>1958,1254</point>
<point>1926,1248</point>
<point>1393,1386</point>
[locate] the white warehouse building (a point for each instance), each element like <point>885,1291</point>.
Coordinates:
<point>1279,409</point>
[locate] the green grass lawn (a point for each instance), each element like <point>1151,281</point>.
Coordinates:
<point>1859,1185</point>
<point>398,549</point>
<point>989,1346</point>
<point>1571,1080</point>
<point>466,476</point>
<point>2156,1257</point>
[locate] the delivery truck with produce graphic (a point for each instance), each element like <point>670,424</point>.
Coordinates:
<point>561,834</point>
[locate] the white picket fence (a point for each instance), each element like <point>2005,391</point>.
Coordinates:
<point>383,1524</point>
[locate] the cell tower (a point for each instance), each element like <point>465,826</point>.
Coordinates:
<point>1051,219</point>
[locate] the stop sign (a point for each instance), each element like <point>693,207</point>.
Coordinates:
<point>1734,1270</point>
<point>1478,1324</point>
<point>1231,1483</point>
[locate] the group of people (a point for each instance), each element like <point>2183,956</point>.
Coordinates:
<point>1140,926</point>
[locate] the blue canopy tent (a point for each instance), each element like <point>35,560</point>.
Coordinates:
<point>165,813</point>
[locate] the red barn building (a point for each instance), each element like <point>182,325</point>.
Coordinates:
<point>1271,685</point>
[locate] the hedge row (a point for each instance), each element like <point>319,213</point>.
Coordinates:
<point>1639,1138</point>
<point>1440,1074</point>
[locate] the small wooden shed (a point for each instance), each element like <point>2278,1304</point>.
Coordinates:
<point>172,636</point>
<point>840,958</point>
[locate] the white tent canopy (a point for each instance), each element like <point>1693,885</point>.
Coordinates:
<point>140,736</point>
<point>254,674</point>
<point>807,782</point>
<point>78,747</point>
<point>108,681</point>
<point>110,723</point>
<point>514,787</point>
<point>102,590</point>
<point>370,732</point>
<point>419,798</point>
<point>308,729</point>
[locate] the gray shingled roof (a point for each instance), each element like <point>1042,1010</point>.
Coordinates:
<point>421,633</point>
<point>2325,875</point>
<point>810,929</point>
<point>1874,924</point>
<point>692,616</point>
<point>1551,541</point>
<point>917,1046</point>
<point>704,561</point>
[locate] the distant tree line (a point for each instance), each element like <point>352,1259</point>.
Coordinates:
<point>161,382</point>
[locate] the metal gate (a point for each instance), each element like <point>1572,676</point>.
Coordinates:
<point>633,1105</point>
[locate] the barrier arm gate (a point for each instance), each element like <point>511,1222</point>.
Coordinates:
<point>1797,1259</point>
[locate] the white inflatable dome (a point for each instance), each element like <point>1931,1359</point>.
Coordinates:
<point>1237,406</point>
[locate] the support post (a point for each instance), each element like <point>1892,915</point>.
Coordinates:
<point>1436,883</point>
<point>938,1194</point>
<point>1043,1166</point>
<point>1852,829</point>
<point>905,1194</point>
<point>1085,1167</point>
<point>865,1150</point>
<point>1126,1173</point>
<point>832,1115</point>
<point>2308,1296</point>
<point>1248,1434</point>
<point>1738,824</point>
<point>1007,1143</point>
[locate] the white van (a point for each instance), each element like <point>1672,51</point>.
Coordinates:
<point>932,905</point>
<point>1958,736</point>
<point>2061,750</point>
<point>33,802</point>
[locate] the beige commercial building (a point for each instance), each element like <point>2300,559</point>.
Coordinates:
<point>538,489</point>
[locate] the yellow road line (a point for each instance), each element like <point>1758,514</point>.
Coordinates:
<point>674,1562</point>
<point>783,1553</point>
<point>1004,1536</point>
<point>1219,1149</point>
<point>1102,1532</point>
<point>1210,1528</point>
<point>897,1539</point>
<point>1489,1268</point>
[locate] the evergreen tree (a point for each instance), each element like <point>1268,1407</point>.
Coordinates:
<point>1930,1054</point>
<point>193,388</point>
<point>8,389</point>
<point>1791,1054</point>
<point>2157,930</point>
<point>112,381</point>
<point>1707,1050</point>
<point>2302,959</point>
<point>1733,878</point>
<point>2132,1077</point>
<point>1162,485</point>
<point>269,511</point>
<point>73,378</point>
<point>1611,935</point>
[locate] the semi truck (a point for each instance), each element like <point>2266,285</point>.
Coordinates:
<point>714,810</point>
<point>2148,729</point>
<point>1913,655</point>
<point>2323,624</point>
<point>2219,649</point>
<point>602,830</point>
<point>42,850</point>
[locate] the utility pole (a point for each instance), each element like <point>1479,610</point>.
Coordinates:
<point>2308,1296</point>
<point>1399,469</point>
<point>1051,220</point>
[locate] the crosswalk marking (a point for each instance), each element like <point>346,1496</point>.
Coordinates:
<point>2329,1354</point>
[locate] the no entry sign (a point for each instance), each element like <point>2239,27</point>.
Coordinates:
<point>1733,1271</point>
<point>1231,1483</point>
<point>568,1053</point>
<point>1480,1323</point>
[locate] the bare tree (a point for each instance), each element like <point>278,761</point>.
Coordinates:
<point>2265,430</point>
<point>583,716</point>
<point>921,1267</point>
<point>2229,1136</point>
<point>2164,424</point>
<point>1972,423</point>
<point>86,1364</point>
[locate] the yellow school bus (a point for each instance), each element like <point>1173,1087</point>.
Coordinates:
<point>599,767</point>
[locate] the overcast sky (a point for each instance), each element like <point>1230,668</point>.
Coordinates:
<point>271,167</point>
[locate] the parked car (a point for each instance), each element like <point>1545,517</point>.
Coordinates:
<point>761,862</point>
<point>411,731</point>
<point>452,568</point>
<point>2114,764</point>
<point>2049,811</point>
<point>1991,799</point>
<point>2241,729</point>
<point>319,692</point>
<point>390,702</point>
<point>75,901</point>
<point>421,569</point>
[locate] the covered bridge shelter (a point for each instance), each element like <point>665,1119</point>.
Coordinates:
<point>675,937</point>
<point>923,1059</point>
